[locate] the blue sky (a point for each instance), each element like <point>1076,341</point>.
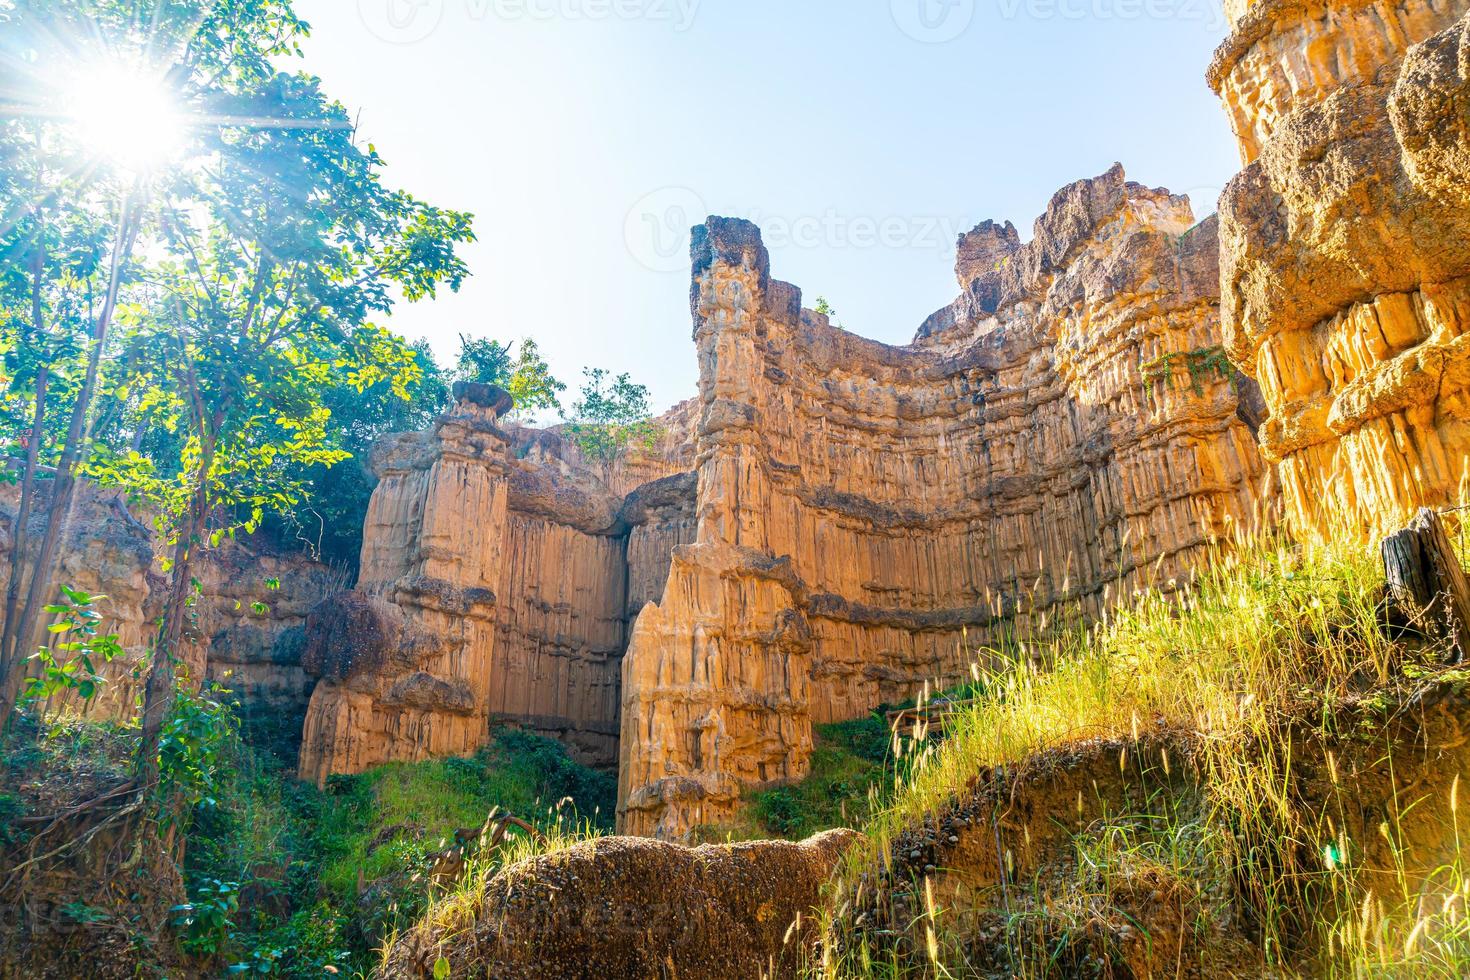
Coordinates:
<point>861,134</point>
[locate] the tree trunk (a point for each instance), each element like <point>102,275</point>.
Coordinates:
<point>25,632</point>
<point>158,693</point>
<point>1426,584</point>
<point>21,528</point>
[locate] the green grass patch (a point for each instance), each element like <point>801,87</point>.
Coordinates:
<point>851,764</point>
<point>324,877</point>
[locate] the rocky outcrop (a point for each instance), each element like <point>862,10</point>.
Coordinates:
<point>104,551</point>
<point>496,574</point>
<point>1345,251</point>
<point>248,621</point>
<point>1015,844</point>
<point>433,554</point>
<point>871,518</point>
<point>622,907</point>
<point>671,454</point>
<point>251,617</point>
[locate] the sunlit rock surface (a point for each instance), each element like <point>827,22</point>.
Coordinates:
<point>497,568</point>
<point>1345,251</point>
<point>869,517</point>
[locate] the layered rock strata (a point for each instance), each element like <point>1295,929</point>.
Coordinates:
<point>1345,251</point>
<point>248,622</point>
<point>496,576</point>
<point>870,518</point>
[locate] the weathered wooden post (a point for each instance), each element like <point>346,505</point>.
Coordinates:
<point>1426,584</point>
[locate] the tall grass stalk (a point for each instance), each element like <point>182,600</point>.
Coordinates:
<point>1266,630</point>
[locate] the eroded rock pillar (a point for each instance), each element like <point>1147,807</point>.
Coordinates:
<point>405,658</point>
<point>1345,251</point>
<point>716,676</point>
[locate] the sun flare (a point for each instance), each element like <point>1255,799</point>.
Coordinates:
<point>124,116</point>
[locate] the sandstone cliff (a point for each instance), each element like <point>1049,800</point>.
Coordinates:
<point>496,575</point>
<point>248,622</point>
<point>1345,250</point>
<point>870,518</point>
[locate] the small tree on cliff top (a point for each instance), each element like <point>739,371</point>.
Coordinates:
<point>609,417</point>
<point>524,374</point>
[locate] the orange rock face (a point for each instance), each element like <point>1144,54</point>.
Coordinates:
<point>870,517</point>
<point>496,576</point>
<point>248,622</point>
<point>1345,251</point>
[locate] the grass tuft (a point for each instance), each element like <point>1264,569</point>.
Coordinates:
<point>1271,647</point>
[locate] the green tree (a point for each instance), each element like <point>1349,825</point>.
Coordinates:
<point>524,374</point>
<point>609,417</point>
<point>264,306</point>
<point>271,250</point>
<point>483,360</point>
<point>58,292</point>
<point>329,519</point>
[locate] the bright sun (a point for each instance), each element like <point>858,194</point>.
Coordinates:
<point>124,116</point>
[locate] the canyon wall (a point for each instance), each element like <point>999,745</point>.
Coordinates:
<point>497,570</point>
<point>248,621</point>
<point>1345,251</point>
<point>832,523</point>
<point>871,518</point>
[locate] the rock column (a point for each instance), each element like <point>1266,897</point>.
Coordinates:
<point>1345,251</point>
<point>405,659</point>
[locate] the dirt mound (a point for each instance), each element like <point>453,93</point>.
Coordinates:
<point>629,907</point>
<point>87,875</point>
<point>1130,857</point>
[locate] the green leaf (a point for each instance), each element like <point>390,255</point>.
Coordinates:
<point>441,969</point>
<point>77,596</point>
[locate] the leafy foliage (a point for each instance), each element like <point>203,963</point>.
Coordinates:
<point>242,284</point>
<point>611,416</point>
<point>70,663</point>
<point>325,876</point>
<point>524,374</point>
<point>328,519</point>
<point>206,921</point>
<point>192,749</point>
<point>825,308</point>
<point>266,288</point>
<point>852,768</point>
<point>1199,364</point>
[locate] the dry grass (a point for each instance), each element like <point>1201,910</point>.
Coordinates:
<point>1269,631</point>
<point>456,910</point>
<point>1269,637</point>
